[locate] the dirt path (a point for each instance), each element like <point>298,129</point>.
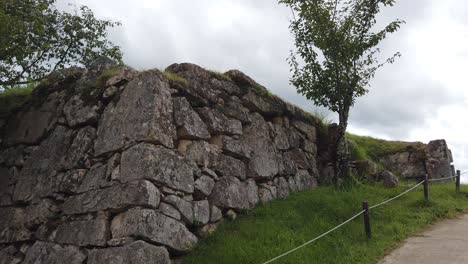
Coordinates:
<point>445,243</point>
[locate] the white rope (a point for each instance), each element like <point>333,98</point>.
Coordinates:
<point>310,241</point>
<point>446,178</point>
<point>401,194</point>
<point>441,179</point>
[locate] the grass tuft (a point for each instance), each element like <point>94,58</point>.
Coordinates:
<point>270,230</point>
<point>220,75</point>
<point>172,76</point>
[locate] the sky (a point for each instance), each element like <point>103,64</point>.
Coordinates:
<point>421,97</point>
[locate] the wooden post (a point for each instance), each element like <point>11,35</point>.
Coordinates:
<point>367,227</point>
<point>457,181</point>
<point>426,188</point>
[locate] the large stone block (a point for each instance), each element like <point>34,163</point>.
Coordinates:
<point>50,253</point>
<point>77,112</point>
<point>153,226</point>
<point>159,165</point>
<point>37,178</point>
<point>189,124</point>
<point>185,207</point>
<point>80,232</point>
<point>229,192</point>
<point>16,223</point>
<point>138,252</point>
<point>201,212</point>
<point>264,156</point>
<point>218,123</point>
<point>114,198</point>
<point>143,113</point>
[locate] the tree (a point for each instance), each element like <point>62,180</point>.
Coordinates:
<point>37,38</point>
<point>336,57</point>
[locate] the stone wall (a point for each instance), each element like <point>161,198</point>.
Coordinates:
<point>106,166</point>
<point>434,158</point>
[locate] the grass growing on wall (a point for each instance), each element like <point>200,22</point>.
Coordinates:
<point>272,229</point>
<point>375,148</point>
<point>15,97</point>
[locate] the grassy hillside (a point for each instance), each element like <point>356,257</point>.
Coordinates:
<point>265,232</point>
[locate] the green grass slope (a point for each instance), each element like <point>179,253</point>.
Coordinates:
<point>270,230</point>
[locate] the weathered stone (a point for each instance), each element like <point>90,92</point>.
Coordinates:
<point>155,227</point>
<point>309,146</point>
<point>109,92</point>
<point>29,127</point>
<point>80,149</point>
<point>121,241</point>
<point>236,110</point>
<point>145,104</point>
<point>77,112</point>
<point>302,181</point>
<point>12,156</point>
<point>282,187</point>
<point>252,192</point>
<point>94,179</point>
<point>438,151</point>
<point>115,198</point>
<point>202,153</point>
<point>82,232</point>
<point>280,138</point>
<point>204,185</point>
<point>218,123</point>
<point>207,230</point>
<point>210,173</point>
<point>157,164</point>
<point>267,104</point>
<point>185,208</point>
<point>263,162</point>
<point>138,252</point>
<point>267,193</point>
<point>50,253</point>
<point>203,87</point>
<point>388,179</point>
<point>229,166</point>
<point>308,129</point>
<point>6,186</point>
<point>235,148</point>
<point>201,212</point>
<point>299,159</point>
<point>189,124</point>
<point>37,178</point>
<point>170,211</point>
<point>69,182</point>
<point>9,255</point>
<point>122,77</point>
<point>215,214</point>
<point>229,192</point>
<point>15,223</point>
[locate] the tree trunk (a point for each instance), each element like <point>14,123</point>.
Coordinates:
<point>340,155</point>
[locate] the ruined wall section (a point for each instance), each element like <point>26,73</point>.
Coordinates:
<point>136,167</point>
<point>434,159</point>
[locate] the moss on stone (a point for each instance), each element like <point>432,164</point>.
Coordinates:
<point>15,97</point>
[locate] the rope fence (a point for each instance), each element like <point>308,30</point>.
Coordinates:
<point>366,209</point>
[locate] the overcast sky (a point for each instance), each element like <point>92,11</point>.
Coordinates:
<point>419,98</point>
